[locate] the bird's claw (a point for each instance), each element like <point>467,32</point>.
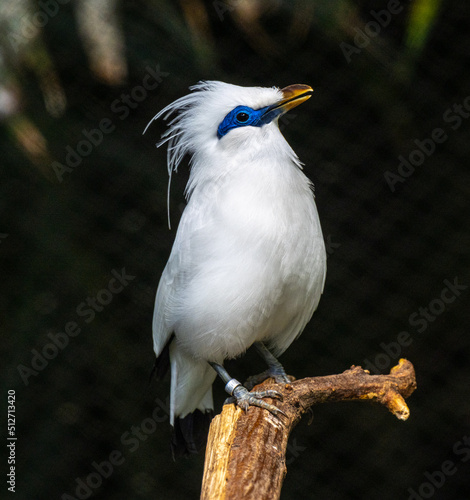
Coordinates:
<point>244,399</point>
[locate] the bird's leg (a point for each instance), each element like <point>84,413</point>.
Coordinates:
<point>275,370</point>
<point>242,396</point>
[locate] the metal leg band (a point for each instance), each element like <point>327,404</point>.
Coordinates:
<point>231,385</point>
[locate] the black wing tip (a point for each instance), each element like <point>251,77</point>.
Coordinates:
<point>190,433</point>
<point>162,363</point>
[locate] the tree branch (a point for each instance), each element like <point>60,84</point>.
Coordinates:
<point>245,455</point>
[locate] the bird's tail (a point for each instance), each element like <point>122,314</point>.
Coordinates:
<point>190,433</point>
<point>191,404</point>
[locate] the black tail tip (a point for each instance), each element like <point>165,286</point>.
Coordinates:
<point>190,433</point>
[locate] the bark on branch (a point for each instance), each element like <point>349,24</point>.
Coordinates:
<point>245,455</point>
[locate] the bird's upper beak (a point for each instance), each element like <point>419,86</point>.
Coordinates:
<point>293,95</point>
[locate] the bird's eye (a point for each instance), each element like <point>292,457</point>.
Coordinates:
<point>242,117</point>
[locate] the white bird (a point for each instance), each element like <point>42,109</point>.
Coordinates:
<point>248,263</point>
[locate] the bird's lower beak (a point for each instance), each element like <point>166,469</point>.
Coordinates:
<point>293,96</point>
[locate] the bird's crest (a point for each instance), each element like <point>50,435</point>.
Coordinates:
<point>177,136</point>
<point>188,131</point>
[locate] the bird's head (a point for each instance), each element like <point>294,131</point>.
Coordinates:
<point>219,117</point>
<point>219,122</point>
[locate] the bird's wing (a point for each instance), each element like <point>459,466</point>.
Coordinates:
<point>191,379</point>
<point>161,330</point>
<point>175,276</point>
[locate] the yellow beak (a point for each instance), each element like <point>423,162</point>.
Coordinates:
<point>293,96</point>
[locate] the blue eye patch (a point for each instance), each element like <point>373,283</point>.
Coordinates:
<point>243,116</point>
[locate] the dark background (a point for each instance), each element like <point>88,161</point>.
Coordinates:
<point>390,250</point>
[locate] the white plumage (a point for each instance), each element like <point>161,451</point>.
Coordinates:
<point>248,263</point>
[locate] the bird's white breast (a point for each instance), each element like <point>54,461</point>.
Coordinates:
<point>249,260</point>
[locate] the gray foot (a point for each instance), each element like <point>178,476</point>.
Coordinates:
<point>244,399</point>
